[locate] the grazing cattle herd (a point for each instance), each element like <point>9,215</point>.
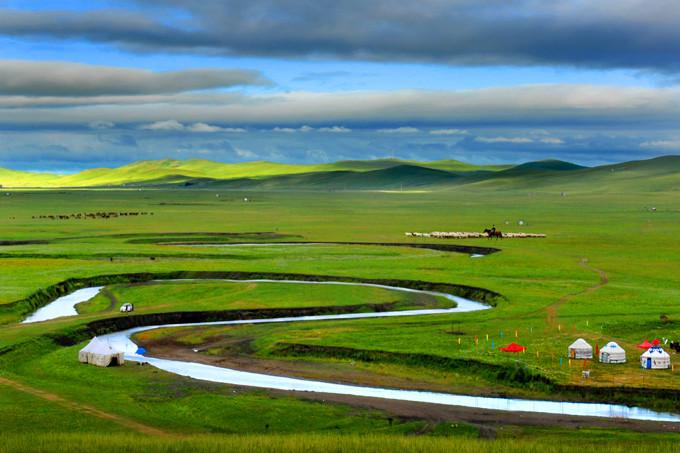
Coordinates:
<point>470,235</point>
<point>92,215</point>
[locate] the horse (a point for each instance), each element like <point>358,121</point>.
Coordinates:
<point>675,346</point>
<point>493,233</point>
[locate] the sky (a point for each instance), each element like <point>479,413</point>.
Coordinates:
<point>98,83</point>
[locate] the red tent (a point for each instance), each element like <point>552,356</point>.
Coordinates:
<point>645,345</point>
<point>513,347</point>
<point>656,342</point>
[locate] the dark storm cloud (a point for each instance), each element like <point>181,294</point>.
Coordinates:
<point>604,34</point>
<point>62,79</point>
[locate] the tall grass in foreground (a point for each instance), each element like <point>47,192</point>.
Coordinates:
<point>103,442</point>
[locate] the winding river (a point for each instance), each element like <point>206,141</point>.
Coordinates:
<point>65,306</point>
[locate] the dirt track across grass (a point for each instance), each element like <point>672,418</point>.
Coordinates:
<point>553,308</point>
<point>84,408</point>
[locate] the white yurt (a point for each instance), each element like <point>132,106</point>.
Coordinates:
<point>100,353</point>
<point>655,358</point>
<point>612,353</point>
<point>580,349</point>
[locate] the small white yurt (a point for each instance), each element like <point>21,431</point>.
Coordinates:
<point>99,353</point>
<point>612,353</point>
<point>655,358</point>
<point>580,349</point>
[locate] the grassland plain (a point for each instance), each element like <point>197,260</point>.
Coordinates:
<point>546,306</point>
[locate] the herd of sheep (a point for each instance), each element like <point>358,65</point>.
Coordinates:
<point>91,215</point>
<point>470,235</point>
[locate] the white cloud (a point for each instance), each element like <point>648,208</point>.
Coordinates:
<point>449,132</point>
<point>552,141</point>
<point>290,130</point>
<point>520,140</point>
<point>504,140</point>
<point>335,130</point>
<point>168,125</point>
<point>174,125</point>
<point>662,144</point>
<point>101,125</point>
<point>245,154</point>
<point>204,127</point>
<point>400,130</point>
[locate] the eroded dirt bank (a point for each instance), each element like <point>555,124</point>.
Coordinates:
<point>238,357</point>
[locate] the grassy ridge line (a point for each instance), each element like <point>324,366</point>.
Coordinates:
<point>647,175</point>
<point>328,443</point>
<point>108,325</point>
<point>519,374</point>
<point>178,171</point>
<point>44,296</point>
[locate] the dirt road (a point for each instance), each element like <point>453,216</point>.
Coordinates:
<point>84,408</point>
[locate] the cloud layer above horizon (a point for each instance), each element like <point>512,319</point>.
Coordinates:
<point>93,84</point>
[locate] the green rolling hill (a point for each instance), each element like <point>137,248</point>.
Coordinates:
<point>181,171</point>
<point>391,178</point>
<point>12,178</point>
<point>658,174</point>
<point>381,164</point>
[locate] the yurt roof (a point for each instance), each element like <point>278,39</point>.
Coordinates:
<point>612,346</point>
<point>655,351</point>
<point>580,344</point>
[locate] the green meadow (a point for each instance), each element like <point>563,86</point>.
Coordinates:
<point>607,271</point>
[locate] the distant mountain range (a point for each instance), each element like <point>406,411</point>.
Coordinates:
<point>662,173</point>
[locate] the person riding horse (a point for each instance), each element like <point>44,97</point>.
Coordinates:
<point>493,232</point>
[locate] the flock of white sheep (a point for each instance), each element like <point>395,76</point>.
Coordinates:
<point>470,235</point>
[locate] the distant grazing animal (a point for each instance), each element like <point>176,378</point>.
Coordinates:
<point>493,233</point>
<point>675,346</point>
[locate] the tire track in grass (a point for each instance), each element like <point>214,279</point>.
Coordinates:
<point>106,292</point>
<point>551,310</point>
<point>84,408</point>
